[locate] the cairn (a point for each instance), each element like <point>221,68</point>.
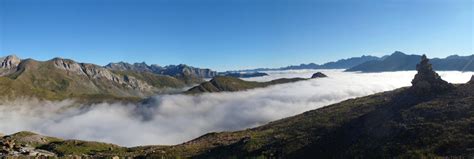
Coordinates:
<point>427,82</point>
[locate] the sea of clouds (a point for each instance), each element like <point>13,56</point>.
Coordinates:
<point>173,119</point>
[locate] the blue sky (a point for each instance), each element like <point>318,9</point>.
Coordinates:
<point>233,34</point>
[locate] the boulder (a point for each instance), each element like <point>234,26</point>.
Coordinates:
<point>318,75</point>
<point>472,80</point>
<point>427,82</point>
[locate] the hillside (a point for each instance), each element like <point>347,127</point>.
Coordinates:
<point>243,75</point>
<point>399,61</point>
<point>232,84</point>
<point>59,78</point>
<point>430,119</point>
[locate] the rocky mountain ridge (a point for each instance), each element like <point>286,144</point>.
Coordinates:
<point>60,78</point>
<point>171,70</point>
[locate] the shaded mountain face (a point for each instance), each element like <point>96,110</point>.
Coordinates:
<point>182,70</point>
<point>399,61</point>
<point>340,64</point>
<point>232,84</point>
<point>348,63</point>
<point>63,78</point>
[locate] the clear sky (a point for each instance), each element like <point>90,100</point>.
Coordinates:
<point>233,34</point>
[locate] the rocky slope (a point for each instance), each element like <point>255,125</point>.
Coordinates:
<point>23,144</point>
<point>399,61</point>
<point>171,70</point>
<point>63,78</point>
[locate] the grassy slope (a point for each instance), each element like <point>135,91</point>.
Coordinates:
<point>382,125</point>
<point>232,84</point>
<point>378,126</point>
<point>43,80</point>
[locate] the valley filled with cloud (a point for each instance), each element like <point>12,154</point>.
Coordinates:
<point>173,119</point>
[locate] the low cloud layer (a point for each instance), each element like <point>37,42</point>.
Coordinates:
<point>173,119</point>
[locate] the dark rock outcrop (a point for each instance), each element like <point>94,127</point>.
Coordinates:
<point>319,75</point>
<point>427,82</point>
<point>472,80</point>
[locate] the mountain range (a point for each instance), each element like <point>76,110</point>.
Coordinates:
<point>60,78</point>
<point>399,61</point>
<point>340,64</point>
<point>430,119</point>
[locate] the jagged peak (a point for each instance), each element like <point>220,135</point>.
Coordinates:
<point>140,63</point>
<point>10,61</point>
<point>155,66</point>
<point>427,82</point>
<point>472,80</point>
<point>63,60</point>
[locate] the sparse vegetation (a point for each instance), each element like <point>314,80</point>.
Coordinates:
<point>232,84</point>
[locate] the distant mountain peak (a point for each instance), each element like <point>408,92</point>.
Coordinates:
<point>398,53</point>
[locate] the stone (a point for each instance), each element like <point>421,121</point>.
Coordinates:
<point>472,80</point>
<point>68,65</point>
<point>10,62</point>
<point>318,75</point>
<point>427,82</point>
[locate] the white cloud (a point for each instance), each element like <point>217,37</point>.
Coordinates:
<point>172,119</point>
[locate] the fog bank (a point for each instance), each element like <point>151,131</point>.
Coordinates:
<point>173,119</point>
